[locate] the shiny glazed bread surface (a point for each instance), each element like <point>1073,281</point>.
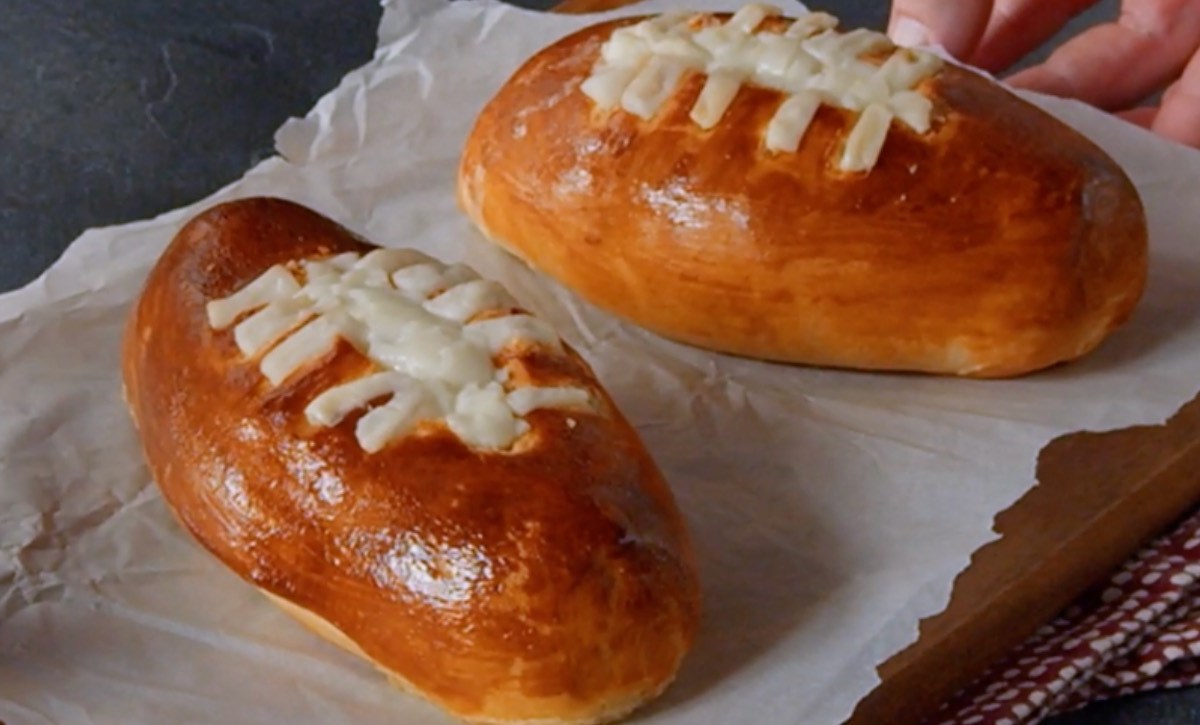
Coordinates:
<point>998,243</point>
<point>550,583</point>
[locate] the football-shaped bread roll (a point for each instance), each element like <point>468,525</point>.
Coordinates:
<point>775,188</point>
<point>406,461</point>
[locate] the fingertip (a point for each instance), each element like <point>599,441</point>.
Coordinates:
<point>1143,117</point>
<point>909,32</point>
<point>955,26</point>
<point>1179,124</point>
<point>1043,79</point>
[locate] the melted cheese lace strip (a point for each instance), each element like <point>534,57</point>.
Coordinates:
<point>642,65</point>
<point>414,317</point>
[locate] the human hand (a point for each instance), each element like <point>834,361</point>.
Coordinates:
<point>1154,44</point>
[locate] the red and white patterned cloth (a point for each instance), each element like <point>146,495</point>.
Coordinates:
<point>1139,632</point>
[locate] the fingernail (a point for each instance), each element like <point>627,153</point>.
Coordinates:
<point>909,33</point>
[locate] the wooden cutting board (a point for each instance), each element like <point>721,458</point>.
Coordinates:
<point>1099,498</point>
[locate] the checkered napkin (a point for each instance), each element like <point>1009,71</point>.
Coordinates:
<point>1140,631</point>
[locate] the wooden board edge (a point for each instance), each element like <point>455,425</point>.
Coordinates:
<point>1151,475</point>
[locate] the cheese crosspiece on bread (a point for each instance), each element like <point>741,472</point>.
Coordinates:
<point>432,330</point>
<point>807,61</point>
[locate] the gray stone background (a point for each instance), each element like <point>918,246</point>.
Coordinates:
<point>116,111</point>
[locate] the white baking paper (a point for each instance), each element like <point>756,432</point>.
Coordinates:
<point>832,510</point>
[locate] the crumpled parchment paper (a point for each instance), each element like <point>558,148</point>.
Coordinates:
<point>832,510</point>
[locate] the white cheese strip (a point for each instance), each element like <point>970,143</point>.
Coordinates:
<point>913,109</point>
<point>314,340</point>
<point>825,47</point>
<point>652,86</point>
<point>778,54</point>
<point>679,48</point>
<point>455,274</point>
<point>466,363</point>
<point>343,262</point>
<point>721,41</point>
<point>498,332</point>
<point>810,24</point>
<point>330,269</point>
<point>331,406</point>
<point>390,260</point>
<point>433,353</point>
<point>860,41</point>
<point>864,71</point>
<point>866,139</point>
<point>863,93</point>
<point>482,414</point>
<point>800,73</point>
<point>832,83</point>
<point>409,406</point>
<point>749,17</point>
<point>364,277</point>
<point>418,281</point>
<point>606,87</point>
<point>906,69</point>
<point>524,400</point>
<point>274,283</point>
<point>641,67</point>
<point>319,271</point>
<point>264,327</point>
<point>715,98</point>
<point>789,124</point>
<point>387,313</point>
<point>425,280</point>
<point>434,365</point>
<point>462,302</point>
<point>664,21</point>
<point>625,47</point>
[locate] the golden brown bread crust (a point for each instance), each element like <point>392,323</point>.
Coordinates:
<point>1000,243</point>
<point>551,585</point>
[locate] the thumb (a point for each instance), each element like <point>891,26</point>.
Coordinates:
<point>956,25</point>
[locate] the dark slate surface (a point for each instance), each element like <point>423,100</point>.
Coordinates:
<point>116,111</point>
<point>119,110</point>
